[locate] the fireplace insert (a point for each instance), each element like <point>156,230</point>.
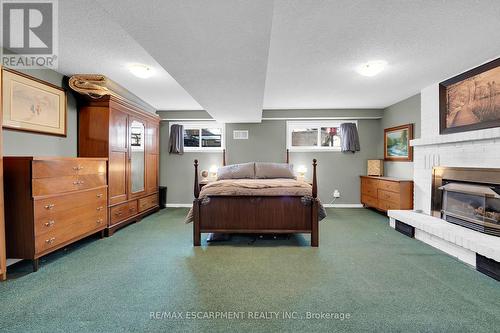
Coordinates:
<point>469,197</point>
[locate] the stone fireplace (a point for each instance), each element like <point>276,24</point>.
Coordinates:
<point>469,197</point>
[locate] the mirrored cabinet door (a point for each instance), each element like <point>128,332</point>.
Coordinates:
<point>137,156</point>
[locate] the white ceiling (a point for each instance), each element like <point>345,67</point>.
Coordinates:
<point>216,50</point>
<point>315,46</point>
<point>90,42</point>
<point>234,58</point>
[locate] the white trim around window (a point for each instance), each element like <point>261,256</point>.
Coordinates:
<point>199,125</point>
<point>314,125</point>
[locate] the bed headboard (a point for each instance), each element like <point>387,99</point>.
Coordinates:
<point>197,184</point>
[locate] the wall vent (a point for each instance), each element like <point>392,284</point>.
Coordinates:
<point>240,135</point>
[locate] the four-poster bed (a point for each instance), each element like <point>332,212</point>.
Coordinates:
<point>291,207</point>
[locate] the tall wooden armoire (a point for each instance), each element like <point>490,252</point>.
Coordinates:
<point>129,137</point>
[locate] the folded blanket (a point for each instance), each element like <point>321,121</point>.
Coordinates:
<point>258,187</point>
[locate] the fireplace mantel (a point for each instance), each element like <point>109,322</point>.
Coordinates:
<point>487,134</point>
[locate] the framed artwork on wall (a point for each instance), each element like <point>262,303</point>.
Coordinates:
<point>471,101</point>
<point>32,105</point>
<point>397,143</point>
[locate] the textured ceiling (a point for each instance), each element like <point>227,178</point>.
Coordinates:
<point>235,57</point>
<point>315,46</point>
<point>90,42</point>
<point>217,50</point>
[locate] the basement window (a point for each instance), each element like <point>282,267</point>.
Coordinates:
<point>204,136</point>
<point>314,135</point>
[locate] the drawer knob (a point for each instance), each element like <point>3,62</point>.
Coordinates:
<point>99,221</point>
<point>49,206</point>
<point>50,240</point>
<point>50,223</point>
<point>99,208</point>
<point>131,209</point>
<point>99,195</point>
<point>118,213</point>
<point>78,182</point>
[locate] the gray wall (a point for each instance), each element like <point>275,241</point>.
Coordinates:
<point>267,142</point>
<point>17,143</point>
<point>177,171</point>
<point>405,112</point>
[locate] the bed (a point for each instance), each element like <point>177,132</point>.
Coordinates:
<point>256,206</point>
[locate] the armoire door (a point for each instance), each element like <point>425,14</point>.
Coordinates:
<point>137,157</point>
<point>153,159</point>
<point>118,157</point>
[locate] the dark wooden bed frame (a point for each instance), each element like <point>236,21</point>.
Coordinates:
<point>255,214</point>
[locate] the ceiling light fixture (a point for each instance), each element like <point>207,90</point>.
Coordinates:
<point>371,68</point>
<point>140,70</point>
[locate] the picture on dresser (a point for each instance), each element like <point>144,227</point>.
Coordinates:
<point>471,100</point>
<point>397,143</point>
<point>32,105</point>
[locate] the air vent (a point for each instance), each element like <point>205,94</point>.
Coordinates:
<point>240,135</point>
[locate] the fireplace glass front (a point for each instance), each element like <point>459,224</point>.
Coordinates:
<point>476,206</point>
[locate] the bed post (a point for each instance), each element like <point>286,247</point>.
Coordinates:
<point>223,157</point>
<point>314,217</point>
<point>196,208</point>
<point>287,156</point>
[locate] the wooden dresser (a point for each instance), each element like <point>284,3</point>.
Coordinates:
<point>112,127</point>
<point>385,193</point>
<point>52,202</point>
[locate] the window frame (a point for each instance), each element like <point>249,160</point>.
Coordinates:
<point>294,124</point>
<point>199,125</point>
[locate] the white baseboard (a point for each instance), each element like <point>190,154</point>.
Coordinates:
<point>182,205</point>
<point>343,205</point>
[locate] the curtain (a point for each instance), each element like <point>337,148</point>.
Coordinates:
<point>349,137</point>
<point>176,142</point>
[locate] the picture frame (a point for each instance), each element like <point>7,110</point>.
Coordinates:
<point>397,143</point>
<point>471,100</point>
<point>32,105</point>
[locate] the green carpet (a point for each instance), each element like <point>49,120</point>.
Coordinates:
<point>363,269</point>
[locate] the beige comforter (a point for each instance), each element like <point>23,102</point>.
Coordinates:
<point>257,187</point>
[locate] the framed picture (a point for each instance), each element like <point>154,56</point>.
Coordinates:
<point>471,100</point>
<point>397,143</point>
<point>32,105</point>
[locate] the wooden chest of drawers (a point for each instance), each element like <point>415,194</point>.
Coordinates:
<point>52,202</point>
<point>384,193</point>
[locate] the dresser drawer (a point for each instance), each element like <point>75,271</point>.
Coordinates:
<point>369,201</point>
<point>70,167</point>
<point>70,203</point>
<point>71,217</point>
<point>369,183</point>
<point>148,202</point>
<point>123,211</point>
<point>47,186</point>
<point>387,205</point>
<point>65,233</point>
<point>388,196</point>
<point>369,190</point>
<point>389,186</point>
